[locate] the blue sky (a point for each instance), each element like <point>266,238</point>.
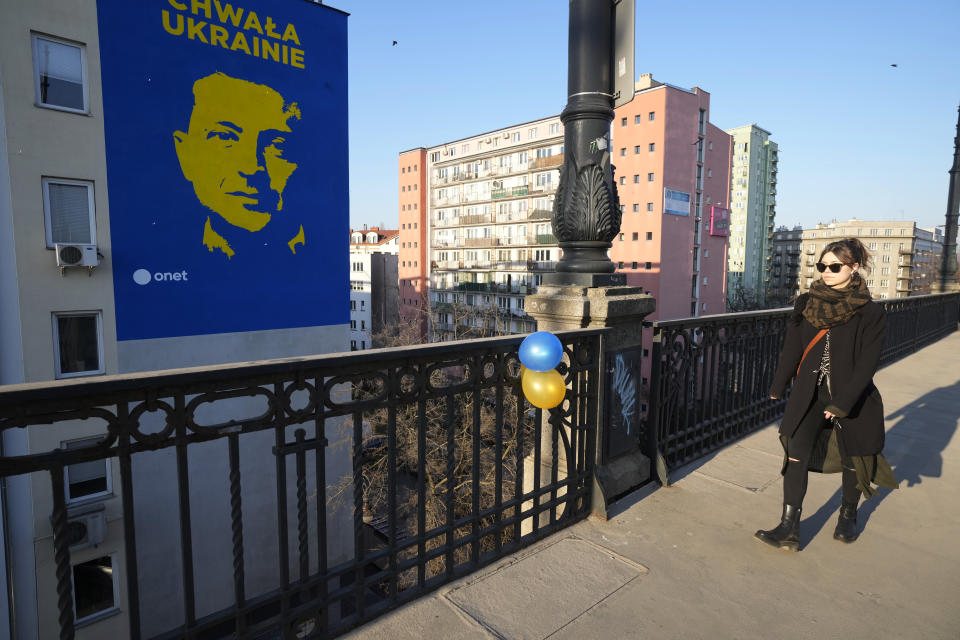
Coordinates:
<point>857,136</point>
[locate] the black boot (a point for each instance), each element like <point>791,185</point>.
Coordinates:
<point>787,534</point>
<point>847,523</point>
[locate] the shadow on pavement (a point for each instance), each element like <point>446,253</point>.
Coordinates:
<point>915,445</point>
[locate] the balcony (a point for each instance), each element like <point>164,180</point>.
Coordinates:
<point>478,242</point>
<point>480,218</point>
<point>549,161</point>
<point>542,265</point>
<point>546,238</point>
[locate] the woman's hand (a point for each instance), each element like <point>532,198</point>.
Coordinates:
<point>774,398</point>
<point>828,415</point>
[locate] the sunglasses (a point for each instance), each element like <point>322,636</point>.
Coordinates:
<point>834,267</point>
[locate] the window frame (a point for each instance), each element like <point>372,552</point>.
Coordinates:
<point>35,37</point>
<point>45,183</point>
<point>106,613</point>
<point>55,316</point>
<point>90,497</point>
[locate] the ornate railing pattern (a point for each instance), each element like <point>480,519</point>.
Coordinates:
<point>438,437</point>
<point>710,375</point>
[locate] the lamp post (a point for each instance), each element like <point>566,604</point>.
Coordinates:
<point>948,265</point>
<point>586,210</point>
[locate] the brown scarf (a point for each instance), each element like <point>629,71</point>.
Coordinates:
<point>828,307</point>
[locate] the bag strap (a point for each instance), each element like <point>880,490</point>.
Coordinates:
<point>815,340</point>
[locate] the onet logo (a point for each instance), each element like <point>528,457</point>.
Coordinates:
<point>143,277</point>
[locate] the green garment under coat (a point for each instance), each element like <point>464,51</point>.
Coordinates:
<point>826,458</point>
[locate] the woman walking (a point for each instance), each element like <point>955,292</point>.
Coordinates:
<point>834,417</point>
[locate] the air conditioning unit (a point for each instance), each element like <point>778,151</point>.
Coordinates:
<point>445,152</point>
<point>76,255</point>
<point>506,136</point>
<point>86,525</point>
<point>488,140</point>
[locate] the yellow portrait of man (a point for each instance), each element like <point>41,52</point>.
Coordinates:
<point>234,154</point>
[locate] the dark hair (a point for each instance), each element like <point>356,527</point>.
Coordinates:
<point>849,251</point>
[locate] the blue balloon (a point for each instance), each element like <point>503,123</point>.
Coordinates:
<point>541,351</point>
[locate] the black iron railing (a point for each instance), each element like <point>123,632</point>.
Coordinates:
<point>377,476</point>
<point>710,375</point>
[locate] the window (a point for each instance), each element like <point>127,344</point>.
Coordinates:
<point>78,344</point>
<point>623,179</point>
<point>554,128</point>
<point>649,235</point>
<point>621,237</point>
<point>874,232</point>
<point>620,265</point>
<point>652,116</point>
<point>633,265</point>
<point>872,245</point>
<point>636,149</point>
<point>86,480</point>
<point>884,284</point>
<point>648,265</point>
<point>636,178</point>
<point>652,146</point>
<point>649,206</point>
<point>709,172</point>
<point>60,74</point>
<point>353,345</point>
<point>623,122</point>
<point>650,177</point>
<point>94,588</point>
<point>623,151</point>
<point>636,208</point>
<point>68,211</point>
<point>515,137</point>
<point>636,236</point>
<point>532,134</point>
<point>637,119</point>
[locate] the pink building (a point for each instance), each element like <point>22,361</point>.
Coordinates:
<point>672,172</point>
<point>413,233</point>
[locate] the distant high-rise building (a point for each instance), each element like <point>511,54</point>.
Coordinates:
<point>753,191</point>
<point>905,257</point>
<point>374,281</point>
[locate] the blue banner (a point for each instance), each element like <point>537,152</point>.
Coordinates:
<point>226,140</point>
<point>676,202</point>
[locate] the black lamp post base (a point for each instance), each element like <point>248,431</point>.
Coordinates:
<point>585,256</point>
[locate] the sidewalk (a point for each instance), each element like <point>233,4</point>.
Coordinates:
<point>681,561</point>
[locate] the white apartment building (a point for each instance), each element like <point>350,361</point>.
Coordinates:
<point>905,256</point>
<point>374,277</point>
<point>490,236</point>
<point>753,192</point>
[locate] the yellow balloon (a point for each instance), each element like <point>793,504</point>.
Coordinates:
<point>543,389</point>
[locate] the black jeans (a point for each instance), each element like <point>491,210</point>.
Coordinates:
<point>799,448</point>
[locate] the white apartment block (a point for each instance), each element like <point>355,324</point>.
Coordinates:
<point>753,192</point>
<point>490,235</point>
<point>374,278</point>
<point>905,256</point>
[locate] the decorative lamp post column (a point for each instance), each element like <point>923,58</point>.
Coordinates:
<point>586,210</point>
<point>948,266</point>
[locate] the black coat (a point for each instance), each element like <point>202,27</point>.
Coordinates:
<point>855,348</point>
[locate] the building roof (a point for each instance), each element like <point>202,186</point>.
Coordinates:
<point>383,235</point>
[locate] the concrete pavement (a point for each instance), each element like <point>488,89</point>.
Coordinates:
<point>681,561</point>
